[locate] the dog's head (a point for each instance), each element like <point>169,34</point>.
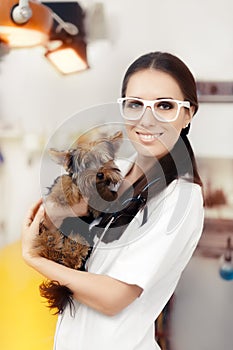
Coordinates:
<point>92,166</point>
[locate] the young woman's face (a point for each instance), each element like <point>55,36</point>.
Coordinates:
<point>151,137</point>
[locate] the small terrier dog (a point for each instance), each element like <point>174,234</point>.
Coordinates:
<point>92,173</point>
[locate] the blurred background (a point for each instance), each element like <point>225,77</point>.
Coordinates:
<point>36,98</point>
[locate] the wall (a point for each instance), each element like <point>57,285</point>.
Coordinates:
<point>203,314</point>
<point>199,32</point>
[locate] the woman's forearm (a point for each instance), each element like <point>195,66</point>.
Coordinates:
<point>100,292</point>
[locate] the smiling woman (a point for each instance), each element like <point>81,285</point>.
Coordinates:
<point>146,239</point>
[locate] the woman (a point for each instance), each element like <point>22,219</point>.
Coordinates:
<point>147,244</point>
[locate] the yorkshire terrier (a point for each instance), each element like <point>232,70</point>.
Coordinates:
<point>91,173</point>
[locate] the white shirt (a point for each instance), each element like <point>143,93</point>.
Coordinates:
<point>151,256</point>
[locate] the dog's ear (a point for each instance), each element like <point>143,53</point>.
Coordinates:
<point>61,157</point>
<point>116,140</point>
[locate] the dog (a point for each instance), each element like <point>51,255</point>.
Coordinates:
<point>91,173</point>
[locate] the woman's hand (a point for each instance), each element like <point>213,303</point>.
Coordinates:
<point>30,229</point>
<point>56,215</point>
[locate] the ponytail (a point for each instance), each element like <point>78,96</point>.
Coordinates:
<point>184,137</point>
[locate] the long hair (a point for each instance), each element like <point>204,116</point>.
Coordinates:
<point>179,162</point>
<point>168,63</point>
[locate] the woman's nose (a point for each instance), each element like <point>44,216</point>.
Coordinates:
<point>147,118</point>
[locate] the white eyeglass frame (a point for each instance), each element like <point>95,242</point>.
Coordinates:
<point>150,103</point>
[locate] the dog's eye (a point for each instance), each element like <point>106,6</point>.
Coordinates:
<point>100,176</point>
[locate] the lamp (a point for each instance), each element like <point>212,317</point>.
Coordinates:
<point>24,25</point>
<point>226,263</point>
<point>66,49</point>
<point>58,26</point>
<point>69,57</point>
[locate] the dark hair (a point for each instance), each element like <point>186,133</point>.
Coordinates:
<point>179,162</point>
<point>170,64</point>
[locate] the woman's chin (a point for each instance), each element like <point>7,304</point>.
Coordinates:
<point>150,149</point>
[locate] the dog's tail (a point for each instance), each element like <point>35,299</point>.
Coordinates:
<point>58,296</point>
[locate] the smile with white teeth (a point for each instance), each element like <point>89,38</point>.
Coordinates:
<point>149,137</point>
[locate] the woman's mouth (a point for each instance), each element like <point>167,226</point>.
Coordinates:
<point>148,137</point>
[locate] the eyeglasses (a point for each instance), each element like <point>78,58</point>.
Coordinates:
<point>165,110</point>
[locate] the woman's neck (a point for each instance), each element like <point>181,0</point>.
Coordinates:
<point>142,165</point>
<point>139,168</point>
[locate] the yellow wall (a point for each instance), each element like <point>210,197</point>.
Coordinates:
<point>25,322</point>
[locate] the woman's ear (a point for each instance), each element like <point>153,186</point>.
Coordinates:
<point>188,116</point>
<point>192,111</point>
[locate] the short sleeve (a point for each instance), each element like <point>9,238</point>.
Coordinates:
<point>166,242</point>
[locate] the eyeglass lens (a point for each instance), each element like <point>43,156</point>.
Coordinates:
<point>162,109</point>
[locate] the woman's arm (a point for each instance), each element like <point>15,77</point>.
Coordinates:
<point>102,293</point>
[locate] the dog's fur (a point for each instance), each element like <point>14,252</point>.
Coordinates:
<point>90,173</point>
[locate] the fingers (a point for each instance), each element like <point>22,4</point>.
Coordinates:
<point>32,213</point>
<point>36,206</point>
<point>38,217</point>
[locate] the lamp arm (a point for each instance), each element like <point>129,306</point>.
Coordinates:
<point>23,3</point>
<point>22,13</point>
<point>70,28</point>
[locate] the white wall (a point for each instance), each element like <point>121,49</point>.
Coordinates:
<point>212,130</point>
<point>203,314</point>
<point>199,32</point>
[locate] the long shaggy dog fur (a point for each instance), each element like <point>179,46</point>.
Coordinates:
<point>91,173</point>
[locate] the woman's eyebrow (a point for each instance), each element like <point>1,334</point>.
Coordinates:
<point>158,98</point>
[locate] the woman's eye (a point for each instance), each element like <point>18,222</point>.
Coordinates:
<point>165,105</point>
<point>134,104</point>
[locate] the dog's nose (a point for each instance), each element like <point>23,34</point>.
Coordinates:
<point>100,176</point>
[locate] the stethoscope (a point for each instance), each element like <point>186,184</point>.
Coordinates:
<point>115,215</point>
<point>140,199</point>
